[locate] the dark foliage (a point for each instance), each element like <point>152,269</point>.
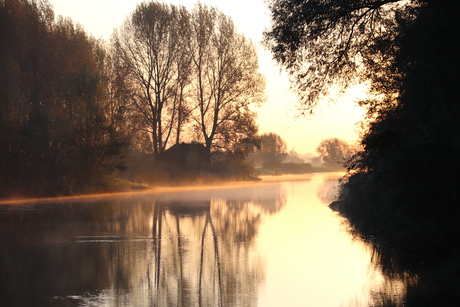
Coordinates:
<point>323,42</point>
<point>56,136</point>
<point>402,190</point>
<point>410,158</point>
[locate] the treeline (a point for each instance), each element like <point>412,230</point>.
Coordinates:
<point>408,170</point>
<point>75,112</point>
<point>60,130</point>
<point>271,157</point>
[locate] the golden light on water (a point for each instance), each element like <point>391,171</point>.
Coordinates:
<point>272,242</point>
<point>317,246</point>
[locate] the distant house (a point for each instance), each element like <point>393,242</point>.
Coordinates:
<point>185,157</point>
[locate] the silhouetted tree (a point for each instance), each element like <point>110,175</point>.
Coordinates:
<point>153,50</point>
<point>335,152</point>
<point>57,137</point>
<point>321,43</point>
<point>226,80</point>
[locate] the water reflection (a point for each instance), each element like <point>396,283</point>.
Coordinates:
<point>328,190</point>
<point>273,243</point>
<point>191,248</point>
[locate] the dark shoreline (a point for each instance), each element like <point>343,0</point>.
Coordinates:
<point>429,269</point>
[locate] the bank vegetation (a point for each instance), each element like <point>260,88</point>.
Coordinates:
<point>81,115</point>
<point>402,189</point>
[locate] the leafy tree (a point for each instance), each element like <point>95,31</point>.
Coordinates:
<point>322,43</point>
<point>335,152</point>
<point>272,150</point>
<point>56,136</point>
<point>237,139</point>
<point>399,48</point>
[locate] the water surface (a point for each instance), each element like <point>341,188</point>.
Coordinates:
<point>269,243</point>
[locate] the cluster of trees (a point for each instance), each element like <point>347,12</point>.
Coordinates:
<point>73,108</point>
<point>59,126</point>
<point>188,71</point>
<point>271,154</point>
<point>407,172</point>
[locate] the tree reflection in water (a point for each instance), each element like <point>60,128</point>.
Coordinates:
<point>171,249</point>
<point>203,251</point>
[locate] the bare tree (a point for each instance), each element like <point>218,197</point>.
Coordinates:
<point>226,80</point>
<point>151,47</point>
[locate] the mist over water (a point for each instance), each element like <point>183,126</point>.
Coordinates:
<point>268,243</point>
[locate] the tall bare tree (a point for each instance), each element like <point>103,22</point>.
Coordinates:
<point>151,47</point>
<point>226,80</point>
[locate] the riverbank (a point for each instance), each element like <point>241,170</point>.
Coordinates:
<point>165,187</point>
<point>126,188</point>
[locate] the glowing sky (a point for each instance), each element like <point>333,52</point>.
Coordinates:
<point>100,17</point>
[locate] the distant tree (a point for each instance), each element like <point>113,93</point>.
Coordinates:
<point>237,139</point>
<point>293,157</point>
<point>335,152</point>
<point>272,150</point>
<point>226,79</point>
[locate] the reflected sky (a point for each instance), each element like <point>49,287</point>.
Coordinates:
<point>268,243</point>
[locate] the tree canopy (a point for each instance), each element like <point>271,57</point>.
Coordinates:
<point>226,80</point>
<point>272,150</point>
<point>321,42</point>
<point>152,49</point>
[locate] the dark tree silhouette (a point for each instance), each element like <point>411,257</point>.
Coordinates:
<point>403,187</point>
<point>321,43</point>
<point>153,51</point>
<point>56,135</point>
<point>227,81</point>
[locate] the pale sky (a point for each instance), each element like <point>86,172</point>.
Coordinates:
<point>278,114</point>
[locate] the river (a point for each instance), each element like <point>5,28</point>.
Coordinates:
<point>272,242</point>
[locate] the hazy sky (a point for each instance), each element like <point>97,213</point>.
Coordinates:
<point>278,114</point>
